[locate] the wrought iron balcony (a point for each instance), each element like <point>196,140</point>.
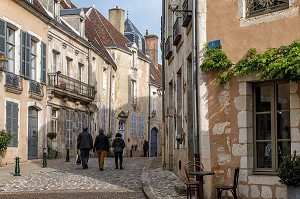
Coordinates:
<point>177,31</point>
<point>13,83</point>
<point>255,8</point>
<point>186,6</point>
<point>36,90</point>
<point>70,88</point>
<point>168,48</point>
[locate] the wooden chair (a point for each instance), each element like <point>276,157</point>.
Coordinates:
<point>191,183</point>
<point>231,188</point>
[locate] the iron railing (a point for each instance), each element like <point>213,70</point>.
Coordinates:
<point>260,7</point>
<point>13,81</point>
<point>187,15</point>
<point>168,47</point>
<point>35,88</point>
<point>68,84</point>
<point>177,31</point>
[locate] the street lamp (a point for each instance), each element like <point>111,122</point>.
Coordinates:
<point>3,62</point>
<point>174,5</point>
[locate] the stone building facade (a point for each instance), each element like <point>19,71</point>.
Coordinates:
<point>234,131</point>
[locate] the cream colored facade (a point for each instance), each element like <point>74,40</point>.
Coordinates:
<point>23,99</point>
<point>227,123</point>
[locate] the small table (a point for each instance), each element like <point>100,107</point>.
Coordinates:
<point>199,175</point>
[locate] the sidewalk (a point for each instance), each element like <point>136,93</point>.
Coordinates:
<point>156,182</point>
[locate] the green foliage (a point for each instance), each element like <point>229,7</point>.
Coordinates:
<point>109,136</point>
<point>275,63</point>
<point>289,170</point>
<point>5,139</point>
<point>215,59</point>
<point>51,135</point>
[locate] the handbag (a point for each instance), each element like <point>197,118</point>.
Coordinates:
<point>78,159</point>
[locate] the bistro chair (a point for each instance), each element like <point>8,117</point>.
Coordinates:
<point>191,183</point>
<point>231,188</point>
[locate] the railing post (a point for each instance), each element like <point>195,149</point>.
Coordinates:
<point>68,155</point>
<point>17,167</point>
<point>44,158</point>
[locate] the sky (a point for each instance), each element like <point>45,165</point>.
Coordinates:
<point>145,15</point>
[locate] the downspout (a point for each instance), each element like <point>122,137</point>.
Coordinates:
<point>149,141</point>
<point>195,81</point>
<point>110,98</point>
<point>163,137</point>
<point>89,83</point>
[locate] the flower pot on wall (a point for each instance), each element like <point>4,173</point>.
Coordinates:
<point>293,192</point>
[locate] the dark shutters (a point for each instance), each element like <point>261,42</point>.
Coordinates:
<point>12,124</point>
<point>2,37</point>
<point>43,63</point>
<point>25,54</point>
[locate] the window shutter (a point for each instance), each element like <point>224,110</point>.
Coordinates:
<point>43,63</point>
<point>12,111</point>
<point>2,37</point>
<point>25,54</point>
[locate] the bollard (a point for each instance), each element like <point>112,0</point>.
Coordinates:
<point>68,156</point>
<point>17,167</point>
<point>44,158</point>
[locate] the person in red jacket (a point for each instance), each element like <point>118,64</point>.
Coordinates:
<point>101,145</point>
<point>118,145</point>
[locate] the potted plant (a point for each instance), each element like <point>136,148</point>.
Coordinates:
<point>289,174</point>
<point>52,153</point>
<point>5,139</point>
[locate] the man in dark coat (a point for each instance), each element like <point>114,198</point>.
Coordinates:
<point>101,145</point>
<point>84,144</point>
<point>118,145</point>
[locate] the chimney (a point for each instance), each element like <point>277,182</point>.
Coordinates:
<point>117,18</point>
<point>152,48</point>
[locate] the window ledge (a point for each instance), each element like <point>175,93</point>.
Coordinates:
<point>273,16</point>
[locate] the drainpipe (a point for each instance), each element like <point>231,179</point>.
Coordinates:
<point>195,81</point>
<point>89,83</point>
<point>163,136</point>
<point>110,99</point>
<point>149,141</point>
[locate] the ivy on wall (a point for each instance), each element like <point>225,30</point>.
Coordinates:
<point>275,63</point>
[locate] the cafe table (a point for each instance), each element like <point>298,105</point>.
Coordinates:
<point>199,176</point>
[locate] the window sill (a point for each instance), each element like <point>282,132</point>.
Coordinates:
<point>292,11</point>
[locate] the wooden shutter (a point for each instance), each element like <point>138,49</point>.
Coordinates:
<point>2,37</point>
<point>12,124</point>
<point>43,63</point>
<point>25,54</point>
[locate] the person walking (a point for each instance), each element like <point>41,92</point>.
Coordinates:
<point>101,146</point>
<point>84,144</point>
<point>118,145</point>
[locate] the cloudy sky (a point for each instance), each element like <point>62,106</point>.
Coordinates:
<point>144,14</point>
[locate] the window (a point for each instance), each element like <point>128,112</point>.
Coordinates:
<point>55,63</point>
<point>141,126</point>
<point>10,46</point>
<point>54,121</point>
<point>154,102</point>
<point>12,121</point>
<point>33,59</point>
<point>104,81</point>
<point>69,66</point>
<point>69,134</point>
<point>43,63</point>
<point>271,124</point>
<point>80,121</point>
<point>133,92</point>
<point>133,125</point>
<point>80,66</point>
<point>25,54</point>
<point>260,7</point>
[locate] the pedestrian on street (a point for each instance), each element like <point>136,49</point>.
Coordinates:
<point>84,144</point>
<point>118,145</point>
<point>101,146</point>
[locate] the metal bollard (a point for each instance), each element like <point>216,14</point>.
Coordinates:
<point>44,158</point>
<point>17,167</point>
<point>68,156</point>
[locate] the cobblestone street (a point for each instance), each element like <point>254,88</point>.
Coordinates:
<point>67,180</point>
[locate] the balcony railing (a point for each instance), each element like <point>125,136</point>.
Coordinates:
<point>177,31</point>
<point>168,48</point>
<point>36,89</point>
<point>187,5</point>
<point>13,82</point>
<point>68,85</point>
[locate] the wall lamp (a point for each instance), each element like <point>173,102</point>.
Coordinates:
<point>174,5</point>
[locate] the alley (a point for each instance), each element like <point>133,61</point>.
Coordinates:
<point>140,178</point>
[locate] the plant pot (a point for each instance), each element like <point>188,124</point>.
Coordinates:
<point>293,192</point>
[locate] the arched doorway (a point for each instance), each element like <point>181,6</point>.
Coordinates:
<point>32,133</point>
<point>154,132</point>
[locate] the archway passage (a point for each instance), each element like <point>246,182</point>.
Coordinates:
<point>154,132</point>
<point>32,133</point>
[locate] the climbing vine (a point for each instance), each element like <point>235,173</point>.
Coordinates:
<point>275,63</point>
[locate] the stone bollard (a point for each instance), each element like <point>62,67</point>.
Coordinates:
<point>68,155</point>
<point>17,167</point>
<point>44,158</point>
